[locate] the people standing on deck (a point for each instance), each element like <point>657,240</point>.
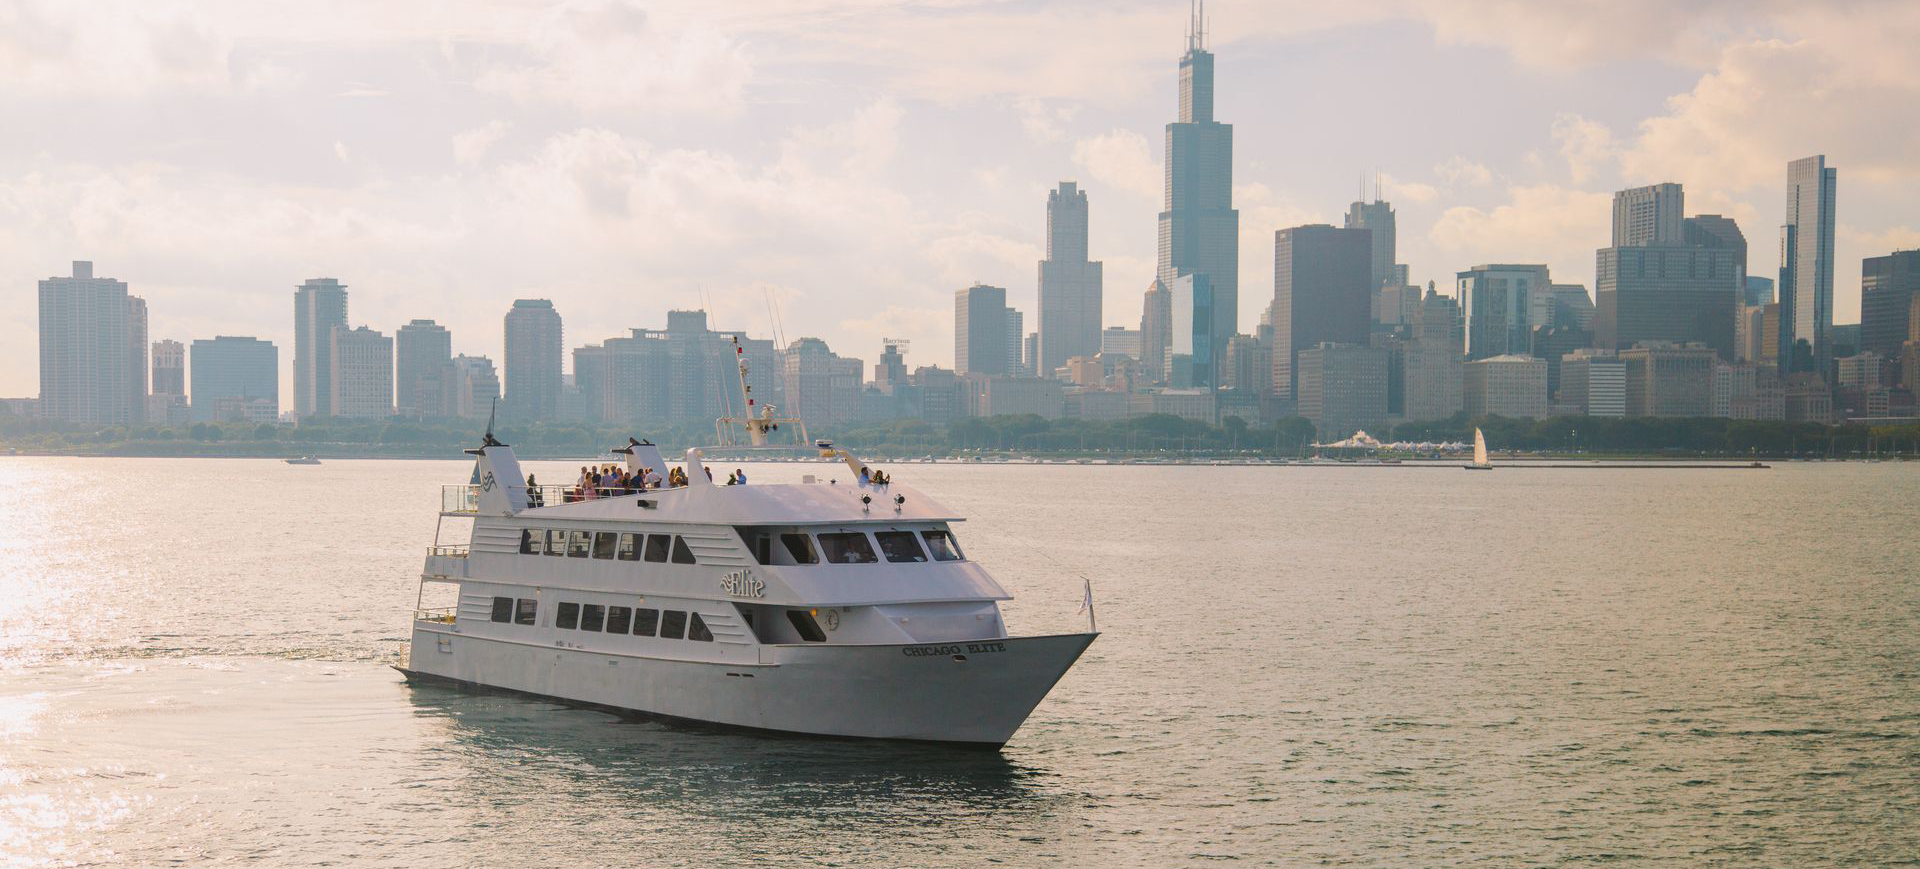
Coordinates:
<point>733,479</point>
<point>741,475</point>
<point>866,476</point>
<point>533,492</point>
<point>652,479</point>
<point>709,472</point>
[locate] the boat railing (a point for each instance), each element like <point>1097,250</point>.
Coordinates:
<point>439,615</point>
<point>548,496</point>
<point>460,498</point>
<point>450,550</point>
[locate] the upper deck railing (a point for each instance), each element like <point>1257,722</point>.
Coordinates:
<point>460,498</point>
<point>465,498</point>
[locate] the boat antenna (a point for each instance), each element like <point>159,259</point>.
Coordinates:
<point>489,439</point>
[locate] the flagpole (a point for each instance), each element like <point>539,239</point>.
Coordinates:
<point>1087,602</point>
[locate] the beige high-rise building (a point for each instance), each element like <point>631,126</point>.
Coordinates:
<point>1156,331</point>
<point>1665,379</point>
<point>1510,386</point>
<point>360,375</point>
<point>93,343</point>
<point>1070,285</point>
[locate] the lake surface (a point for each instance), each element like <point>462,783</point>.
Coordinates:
<point>1300,666</point>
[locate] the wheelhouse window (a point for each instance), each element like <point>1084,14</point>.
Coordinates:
<point>657,546</point>
<point>503,609</point>
<point>681,554</point>
<point>577,544</point>
<point>567,617</point>
<point>593,617</point>
<point>604,544</point>
<point>629,549</point>
<point>645,622</point>
<point>673,624</point>
<point>556,542</point>
<point>800,546</point>
<point>532,541</point>
<point>804,624</point>
<point>900,546</point>
<point>758,542</point>
<point>527,612</point>
<point>697,629</point>
<point>940,542</point>
<point>619,618</point>
<point>847,547</point>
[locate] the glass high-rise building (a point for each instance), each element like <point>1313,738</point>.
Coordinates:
<point>1806,265</point>
<point>1322,293</point>
<point>1199,228</point>
<point>1070,284</point>
<point>319,305</point>
<point>232,372</point>
<point>984,337</point>
<point>1888,287</point>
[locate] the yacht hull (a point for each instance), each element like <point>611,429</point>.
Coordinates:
<point>974,693</point>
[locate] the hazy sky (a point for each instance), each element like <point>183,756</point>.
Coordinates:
<point>865,160</point>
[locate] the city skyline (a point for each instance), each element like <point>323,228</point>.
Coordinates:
<point>204,228</point>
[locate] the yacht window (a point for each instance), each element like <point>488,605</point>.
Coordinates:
<point>593,617</point>
<point>577,544</point>
<point>697,630</point>
<point>503,609</point>
<point>942,545</point>
<point>657,546</point>
<point>531,540</point>
<point>618,618</point>
<point>569,616</point>
<point>759,542</point>
<point>645,621</point>
<point>900,546</point>
<point>847,547</point>
<point>673,624</point>
<point>629,547</point>
<point>800,546</point>
<point>681,554</point>
<point>809,629</point>
<point>556,542</point>
<point>526,612</point>
<point>603,542</point>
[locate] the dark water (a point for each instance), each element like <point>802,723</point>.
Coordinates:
<point>1301,666</point>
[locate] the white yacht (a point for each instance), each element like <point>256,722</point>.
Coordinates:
<point>829,606</point>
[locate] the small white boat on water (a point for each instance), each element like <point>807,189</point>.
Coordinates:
<point>1481,461</point>
<point>833,606</point>
<point>304,460</point>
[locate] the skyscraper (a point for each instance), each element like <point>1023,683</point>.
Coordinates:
<point>1498,301</point>
<point>88,330</point>
<point>1156,331</point>
<point>1070,284</point>
<point>476,386</point>
<point>1193,345</point>
<point>1321,294</point>
<point>361,372</point>
<point>983,337</point>
<point>533,360</point>
<point>1199,228</point>
<point>1806,264</point>
<point>319,305</point>
<point>422,351</point>
<point>1651,215</point>
<point>1685,291</point>
<point>169,368</point>
<point>232,373</point>
<point>1888,286</point>
<point>1377,217</point>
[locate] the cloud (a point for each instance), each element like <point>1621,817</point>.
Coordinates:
<point>1400,189</point>
<point>471,146</point>
<point>1459,171</point>
<point>1588,146</point>
<point>1121,159</point>
<point>1539,223</point>
<point>608,54</point>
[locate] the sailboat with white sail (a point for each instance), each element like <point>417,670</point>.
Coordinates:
<point>1481,462</point>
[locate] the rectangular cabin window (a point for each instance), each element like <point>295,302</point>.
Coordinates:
<point>900,546</point>
<point>577,544</point>
<point>503,609</point>
<point>847,547</point>
<point>593,617</point>
<point>556,542</point>
<point>645,622</point>
<point>758,541</point>
<point>697,629</point>
<point>603,544</point>
<point>681,554</point>
<point>568,617</point>
<point>527,612</point>
<point>629,547</point>
<point>673,624</point>
<point>800,546</point>
<point>808,629</point>
<point>618,619</point>
<point>532,541</point>
<point>941,543</point>
<point>657,546</point>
